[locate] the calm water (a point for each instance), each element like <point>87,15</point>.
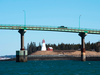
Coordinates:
<point>50,67</point>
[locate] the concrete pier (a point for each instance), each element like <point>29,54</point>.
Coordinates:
<point>21,56</point>
<point>83,55</point>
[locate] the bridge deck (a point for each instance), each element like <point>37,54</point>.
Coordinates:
<point>50,28</point>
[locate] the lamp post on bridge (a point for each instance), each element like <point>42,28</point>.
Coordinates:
<point>79,21</point>
<point>24,18</point>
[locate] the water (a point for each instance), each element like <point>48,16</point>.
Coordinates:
<point>50,67</point>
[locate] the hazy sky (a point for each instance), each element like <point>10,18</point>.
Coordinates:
<point>48,13</point>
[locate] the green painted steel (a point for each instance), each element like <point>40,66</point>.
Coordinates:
<point>50,28</point>
<point>21,52</point>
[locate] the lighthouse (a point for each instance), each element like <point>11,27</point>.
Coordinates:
<point>43,45</point>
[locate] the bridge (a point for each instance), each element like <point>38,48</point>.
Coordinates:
<point>50,28</point>
<point>21,56</point>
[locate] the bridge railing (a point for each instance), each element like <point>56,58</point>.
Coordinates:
<point>49,27</point>
<point>29,25</point>
<point>42,26</point>
<point>84,29</point>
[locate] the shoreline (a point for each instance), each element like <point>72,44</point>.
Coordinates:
<point>61,55</point>
<point>58,58</point>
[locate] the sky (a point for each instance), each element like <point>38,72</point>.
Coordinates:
<point>47,13</point>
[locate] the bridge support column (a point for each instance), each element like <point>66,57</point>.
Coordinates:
<point>22,31</point>
<point>83,56</point>
<point>21,56</point>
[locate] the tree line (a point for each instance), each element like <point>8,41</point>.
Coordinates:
<point>88,46</point>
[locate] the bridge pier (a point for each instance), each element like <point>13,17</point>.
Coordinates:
<point>21,56</point>
<point>83,55</point>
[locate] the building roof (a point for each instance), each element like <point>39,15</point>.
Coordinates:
<point>50,48</point>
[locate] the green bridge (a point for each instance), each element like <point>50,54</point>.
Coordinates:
<point>21,56</point>
<point>50,28</point>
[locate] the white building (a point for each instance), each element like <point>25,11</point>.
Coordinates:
<point>43,46</point>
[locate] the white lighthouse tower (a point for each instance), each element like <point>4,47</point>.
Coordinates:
<point>43,46</point>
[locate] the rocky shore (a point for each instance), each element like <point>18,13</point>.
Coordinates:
<point>62,55</point>
<point>58,58</point>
